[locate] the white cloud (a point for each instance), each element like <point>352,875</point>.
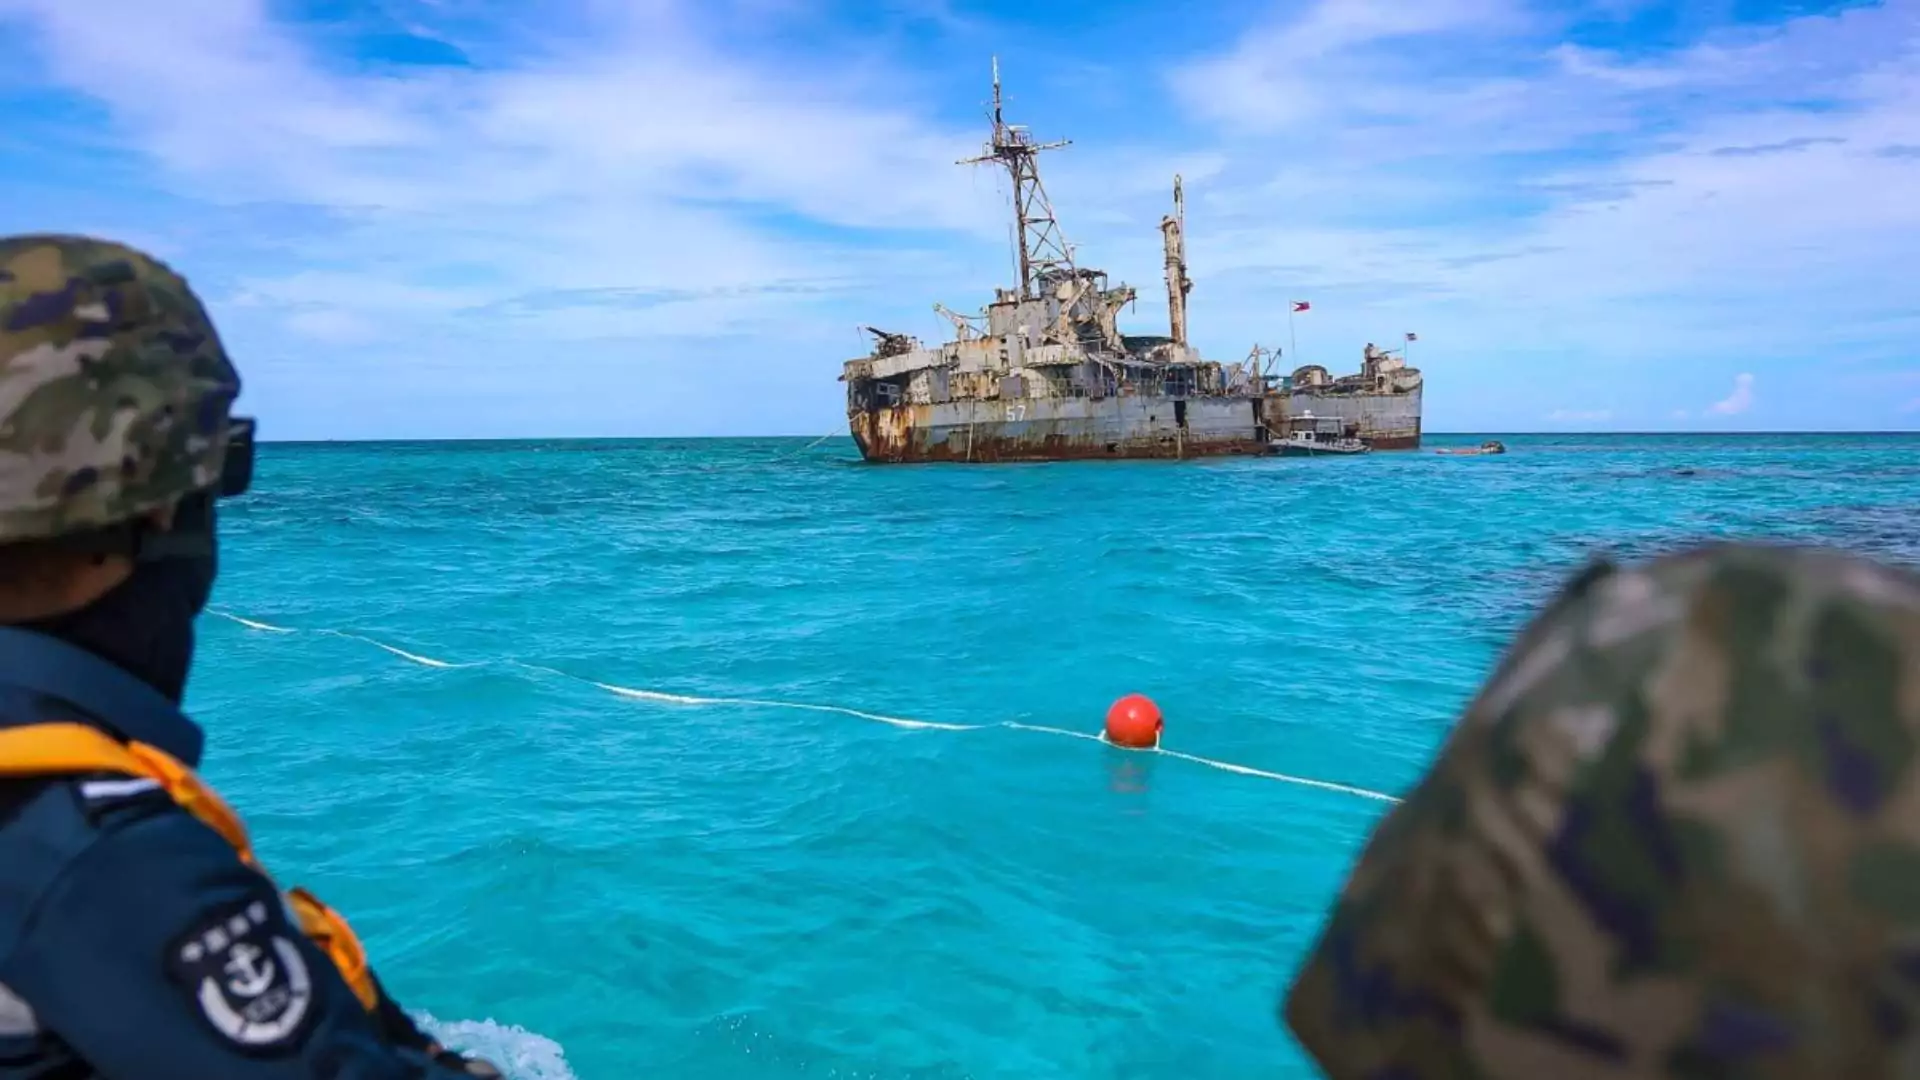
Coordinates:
<point>614,190</point>
<point>600,165</point>
<point>1749,212</point>
<point>598,225</point>
<point>1737,402</point>
<point>1300,71</point>
<point>333,326</point>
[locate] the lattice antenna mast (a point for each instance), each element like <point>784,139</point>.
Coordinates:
<point>1042,247</point>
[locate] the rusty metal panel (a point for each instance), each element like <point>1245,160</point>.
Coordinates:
<point>977,355</point>
<point>1385,421</point>
<point>1054,429</point>
<point>920,388</point>
<point>887,367</point>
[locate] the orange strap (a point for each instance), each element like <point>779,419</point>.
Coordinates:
<point>65,748</point>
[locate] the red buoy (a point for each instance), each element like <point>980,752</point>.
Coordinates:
<point>1135,723</point>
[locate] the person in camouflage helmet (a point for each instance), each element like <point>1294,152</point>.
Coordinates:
<point>1676,835</point>
<point>139,937</point>
<point>117,390</point>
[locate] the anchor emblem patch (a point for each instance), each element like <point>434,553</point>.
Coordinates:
<point>246,975</point>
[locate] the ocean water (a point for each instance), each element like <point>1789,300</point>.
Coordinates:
<point>467,692</point>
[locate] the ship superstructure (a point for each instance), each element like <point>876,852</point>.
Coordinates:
<point>1045,373</point>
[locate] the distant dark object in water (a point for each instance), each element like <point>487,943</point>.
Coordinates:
<point>1686,472</point>
<point>1491,446</point>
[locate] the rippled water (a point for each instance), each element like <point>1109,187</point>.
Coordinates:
<point>557,865</point>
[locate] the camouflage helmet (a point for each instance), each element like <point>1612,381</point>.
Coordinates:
<point>1676,835</point>
<point>114,388</point>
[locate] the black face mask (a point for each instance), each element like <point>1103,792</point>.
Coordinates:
<point>145,624</point>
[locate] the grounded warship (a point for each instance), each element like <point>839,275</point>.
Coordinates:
<point>1050,376</point>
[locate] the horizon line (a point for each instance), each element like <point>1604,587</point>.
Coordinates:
<point>357,441</point>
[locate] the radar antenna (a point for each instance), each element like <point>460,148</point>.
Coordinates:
<point>1043,250</point>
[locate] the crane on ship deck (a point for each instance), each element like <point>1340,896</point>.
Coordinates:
<point>962,324</point>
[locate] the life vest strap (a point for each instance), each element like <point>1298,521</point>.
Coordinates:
<point>65,748</point>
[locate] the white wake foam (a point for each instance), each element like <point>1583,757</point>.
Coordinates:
<point>521,1054</point>
<point>662,697</point>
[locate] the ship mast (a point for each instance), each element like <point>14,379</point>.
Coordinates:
<point>1042,248</point>
<point>1173,229</point>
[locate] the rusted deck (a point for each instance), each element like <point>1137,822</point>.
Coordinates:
<point>900,447</point>
<point>1061,430</point>
<point>1121,429</point>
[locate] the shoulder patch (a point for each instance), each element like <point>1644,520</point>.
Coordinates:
<point>247,977</point>
<point>106,788</point>
<point>119,797</point>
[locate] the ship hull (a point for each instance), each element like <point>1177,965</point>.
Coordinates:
<point>1389,421</point>
<point>1062,429</point>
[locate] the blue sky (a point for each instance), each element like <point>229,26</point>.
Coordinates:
<point>496,218</point>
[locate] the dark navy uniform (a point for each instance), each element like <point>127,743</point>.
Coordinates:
<point>134,942</point>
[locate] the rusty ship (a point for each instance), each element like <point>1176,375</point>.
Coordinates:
<point>1044,373</point>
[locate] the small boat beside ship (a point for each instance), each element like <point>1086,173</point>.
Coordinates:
<point>1491,446</point>
<point>1319,436</point>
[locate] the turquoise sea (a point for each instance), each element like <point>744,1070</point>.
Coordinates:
<point>448,711</point>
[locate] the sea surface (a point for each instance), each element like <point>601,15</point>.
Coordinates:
<point>609,748</point>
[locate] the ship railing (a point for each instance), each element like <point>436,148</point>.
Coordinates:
<point>1044,391</point>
